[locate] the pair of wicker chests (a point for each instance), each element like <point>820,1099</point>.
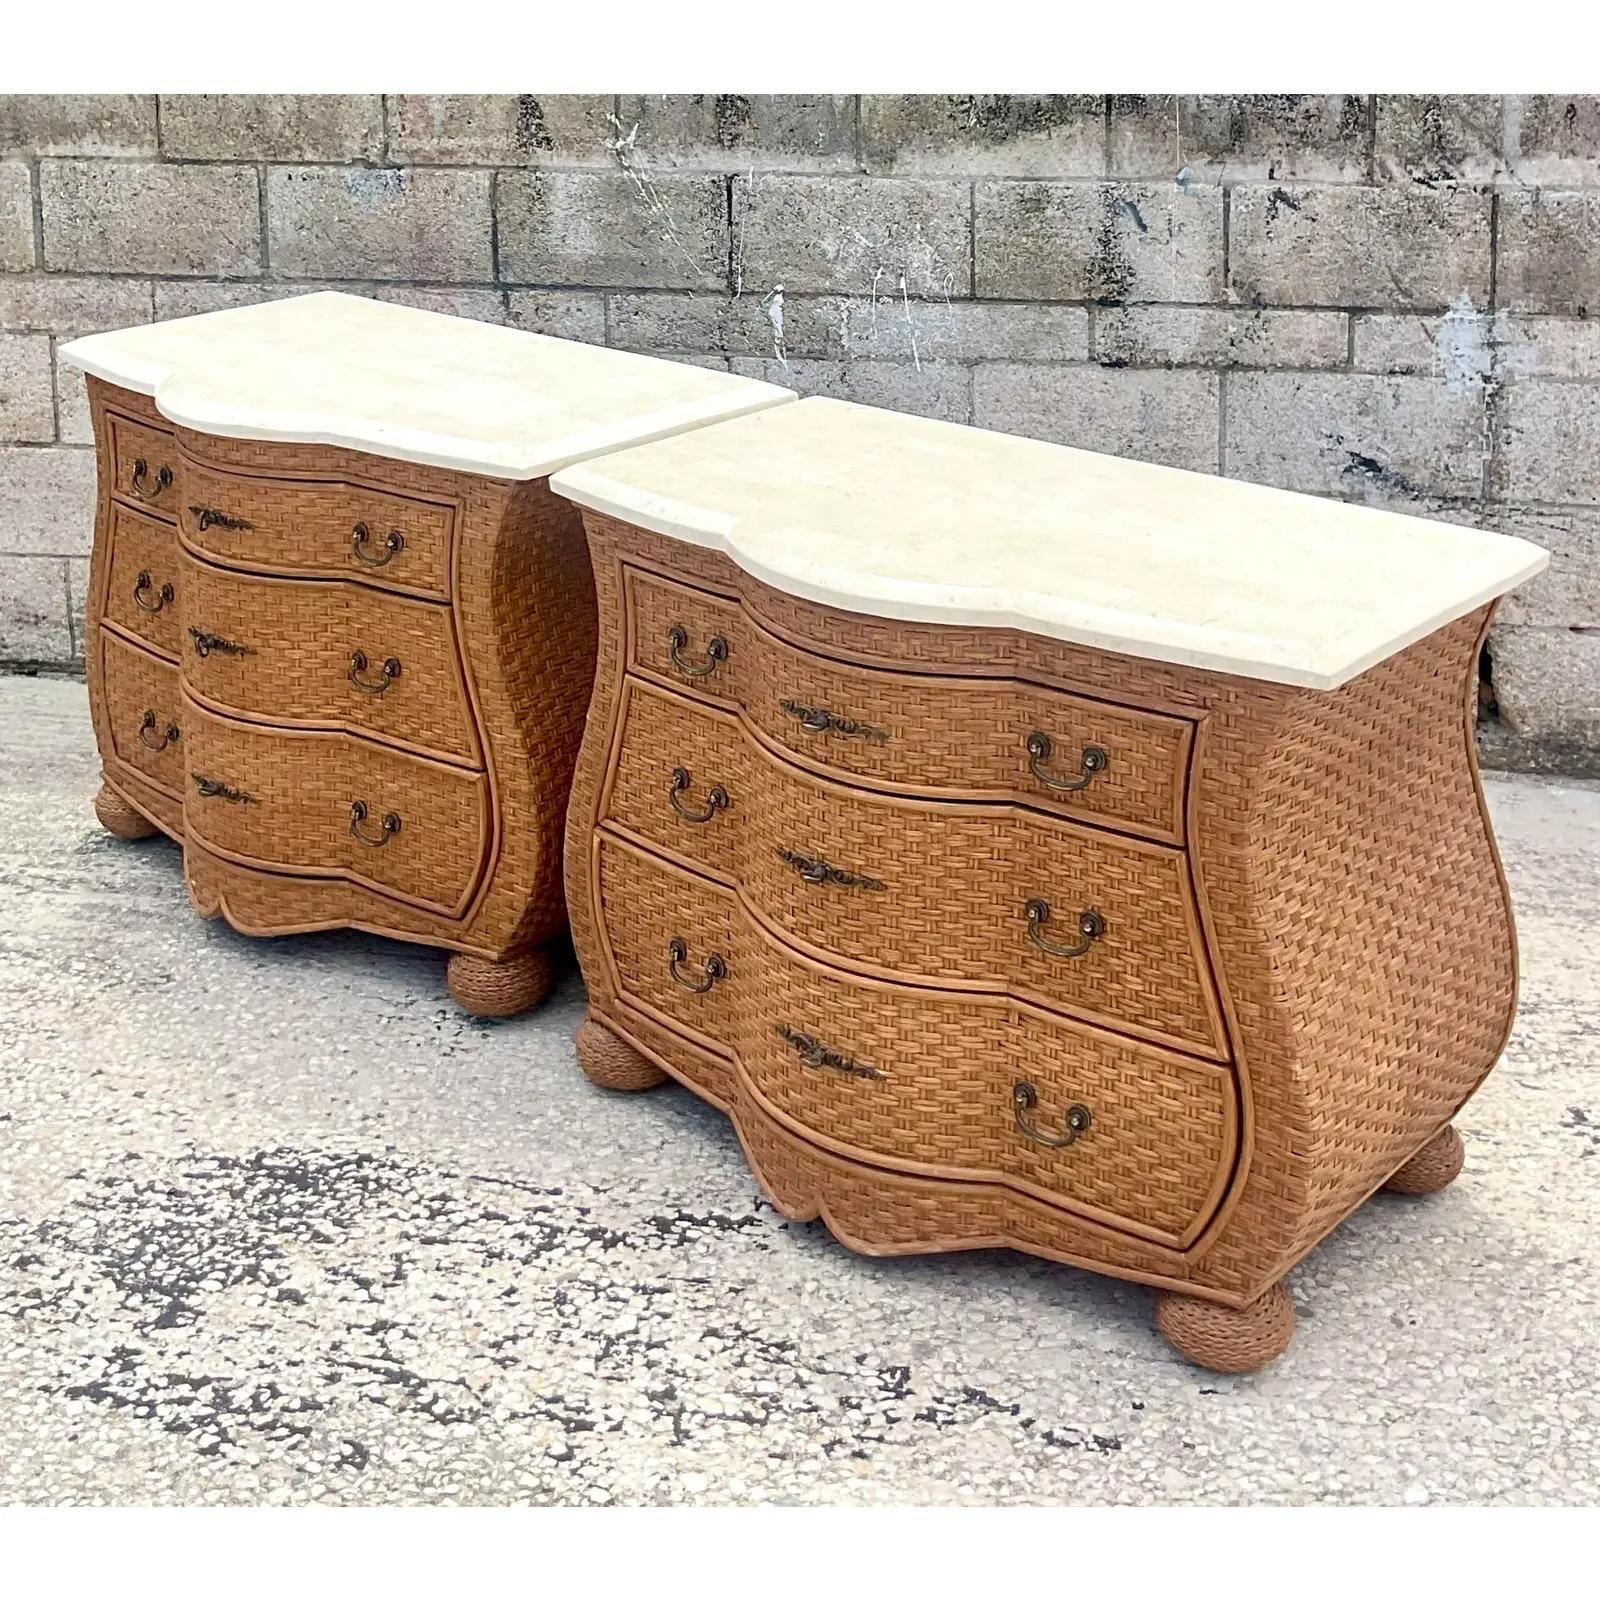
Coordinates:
<point>1022,846</point>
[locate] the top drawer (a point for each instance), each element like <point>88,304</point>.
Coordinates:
<point>325,526</point>
<point>144,465</point>
<point>957,738</point>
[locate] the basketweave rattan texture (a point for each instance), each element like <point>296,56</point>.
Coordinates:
<point>488,604</point>
<point>1355,915</point>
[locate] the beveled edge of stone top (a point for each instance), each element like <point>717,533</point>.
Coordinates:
<point>918,520</point>
<point>390,380</point>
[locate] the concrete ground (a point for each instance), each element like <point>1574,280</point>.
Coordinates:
<point>279,1224</point>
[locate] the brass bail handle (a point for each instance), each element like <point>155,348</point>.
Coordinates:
<point>141,473</point>
<point>716,798</point>
<point>394,542</point>
<point>169,734</point>
<point>1092,761</point>
<point>358,664</point>
<point>713,969</point>
<point>716,650</point>
<point>1090,926</point>
<point>142,586</point>
<point>1025,1098</point>
<point>358,815</point>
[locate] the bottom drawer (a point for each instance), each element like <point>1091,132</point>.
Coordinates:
<point>959,1086</point>
<point>143,715</point>
<point>329,804</point>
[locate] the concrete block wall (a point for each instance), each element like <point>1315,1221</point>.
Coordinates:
<point>1380,298</point>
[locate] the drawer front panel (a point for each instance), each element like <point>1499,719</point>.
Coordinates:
<point>144,465</point>
<point>670,938</point>
<point>936,893</point>
<point>288,799</point>
<point>144,590</point>
<point>144,712</point>
<point>335,654</point>
<point>927,1081</point>
<point>982,738</point>
<point>324,526</point>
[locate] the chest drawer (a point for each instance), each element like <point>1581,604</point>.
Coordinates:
<point>991,897</point>
<point>143,580</point>
<point>332,654</point>
<point>954,737</point>
<point>143,712</point>
<point>330,805</point>
<point>327,527</point>
<point>144,465</point>
<point>931,1082</point>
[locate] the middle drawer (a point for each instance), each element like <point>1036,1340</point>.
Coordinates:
<point>327,653</point>
<point>993,898</point>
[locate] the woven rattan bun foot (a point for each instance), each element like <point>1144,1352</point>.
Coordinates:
<point>119,818</point>
<point>607,1061</point>
<point>1225,1339</point>
<point>499,988</point>
<point>1436,1164</point>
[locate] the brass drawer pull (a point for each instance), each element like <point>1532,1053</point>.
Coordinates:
<point>716,798</point>
<point>1090,926</point>
<point>358,665</point>
<point>716,650</point>
<point>141,587</point>
<point>215,789</point>
<point>169,734</point>
<point>205,643</point>
<point>1093,760</point>
<point>715,967</point>
<point>393,544</point>
<point>813,1053</point>
<point>358,815</point>
<point>816,719</point>
<point>1025,1098</point>
<point>815,870</point>
<point>205,517</point>
<point>141,471</point>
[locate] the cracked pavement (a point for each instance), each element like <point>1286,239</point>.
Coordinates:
<point>278,1224</point>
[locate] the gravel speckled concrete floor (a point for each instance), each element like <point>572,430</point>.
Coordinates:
<point>278,1224</point>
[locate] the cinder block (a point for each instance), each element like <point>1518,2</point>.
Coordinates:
<point>272,127</point>
<point>1469,346</point>
<point>77,602</point>
<point>386,223</point>
<point>1550,442</point>
<point>1362,437</point>
<point>739,132</point>
<point>1184,336</point>
<point>985,135</point>
<point>194,299</point>
<point>501,130</point>
<point>70,306</point>
<point>933,390</point>
<point>1438,138</point>
<point>613,229</point>
<point>16,217</point>
<point>77,125</point>
<point>478,305</point>
<point>131,216</point>
<point>1547,682</point>
<point>565,313</point>
<point>1168,417</point>
<point>1109,242</point>
<point>1547,347</point>
<point>49,501</point>
<point>1549,251</point>
<point>27,400</point>
<point>1216,138</point>
<point>1414,248</point>
<point>34,610</point>
<point>1553,138</point>
<point>851,235</point>
<point>717,323</point>
<point>74,420</point>
<point>1567,593</point>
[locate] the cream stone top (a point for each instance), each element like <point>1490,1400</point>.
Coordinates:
<point>902,517</point>
<point>338,369</point>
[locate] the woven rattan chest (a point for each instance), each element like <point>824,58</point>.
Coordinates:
<point>1027,847</point>
<point>341,634</point>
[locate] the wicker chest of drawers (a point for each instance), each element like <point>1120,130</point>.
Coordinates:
<point>341,632</point>
<point>1019,856</point>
